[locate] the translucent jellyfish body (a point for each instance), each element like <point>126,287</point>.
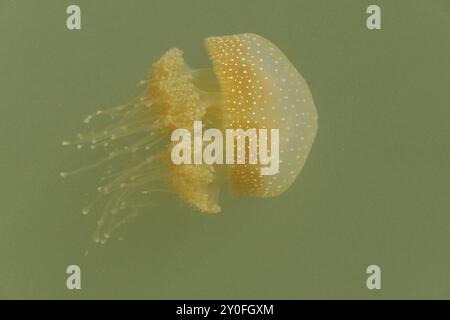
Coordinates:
<point>251,85</point>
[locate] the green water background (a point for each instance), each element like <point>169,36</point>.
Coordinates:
<point>375,189</point>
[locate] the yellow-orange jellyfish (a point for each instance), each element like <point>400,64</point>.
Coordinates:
<point>251,85</point>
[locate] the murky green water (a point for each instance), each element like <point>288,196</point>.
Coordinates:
<point>375,189</point>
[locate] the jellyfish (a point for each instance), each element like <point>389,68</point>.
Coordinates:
<point>251,84</point>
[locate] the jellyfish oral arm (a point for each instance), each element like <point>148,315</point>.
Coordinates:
<point>207,147</point>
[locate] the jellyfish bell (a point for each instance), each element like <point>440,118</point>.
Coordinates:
<point>251,85</point>
<point>265,91</point>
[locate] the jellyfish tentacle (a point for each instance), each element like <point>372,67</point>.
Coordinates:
<point>123,188</point>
